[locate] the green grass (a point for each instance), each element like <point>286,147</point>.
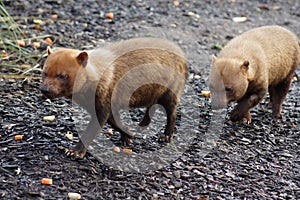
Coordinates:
<point>16,59</point>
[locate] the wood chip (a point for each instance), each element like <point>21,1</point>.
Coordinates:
<point>49,118</point>
<point>110,132</point>
<point>74,195</point>
<point>18,137</point>
<point>205,93</point>
<point>127,150</point>
<point>239,19</point>
<point>46,181</point>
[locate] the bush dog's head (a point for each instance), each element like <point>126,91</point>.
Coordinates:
<point>228,80</point>
<point>60,71</point>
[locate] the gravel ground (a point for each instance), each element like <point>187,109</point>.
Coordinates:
<point>256,161</point>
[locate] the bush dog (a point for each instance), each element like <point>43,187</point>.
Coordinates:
<point>139,72</point>
<point>258,61</point>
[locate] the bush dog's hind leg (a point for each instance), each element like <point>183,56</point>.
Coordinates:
<point>146,119</point>
<point>169,102</point>
<point>277,95</point>
<point>148,115</point>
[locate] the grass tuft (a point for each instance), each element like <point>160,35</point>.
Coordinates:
<point>15,58</point>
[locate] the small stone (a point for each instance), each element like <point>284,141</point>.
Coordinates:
<point>245,140</point>
<point>197,16</point>
<point>171,187</point>
<point>69,136</point>
<point>117,149</point>
<point>239,19</point>
<point>49,118</point>
<point>196,77</point>
<point>177,184</point>
<point>191,14</point>
<point>176,3</point>
<point>177,174</point>
<point>295,78</point>
<point>160,193</point>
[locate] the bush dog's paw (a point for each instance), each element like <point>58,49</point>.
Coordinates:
<point>145,121</point>
<point>165,138</point>
<point>247,119</point>
<point>75,153</point>
<point>277,115</point>
<point>78,152</point>
<point>236,116</point>
<point>239,116</point>
<point>126,140</point>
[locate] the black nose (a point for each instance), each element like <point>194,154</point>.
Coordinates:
<point>44,90</point>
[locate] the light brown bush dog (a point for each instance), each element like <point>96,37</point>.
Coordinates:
<point>258,61</point>
<point>135,73</point>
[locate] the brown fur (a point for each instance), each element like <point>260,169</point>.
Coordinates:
<point>260,60</point>
<point>151,71</point>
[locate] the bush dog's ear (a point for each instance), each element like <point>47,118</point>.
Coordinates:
<point>214,58</point>
<point>49,50</point>
<point>82,58</point>
<point>245,65</point>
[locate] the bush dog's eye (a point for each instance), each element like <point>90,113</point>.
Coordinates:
<point>44,75</point>
<point>228,90</point>
<point>62,76</point>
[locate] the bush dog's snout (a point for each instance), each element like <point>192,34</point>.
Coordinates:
<point>44,90</point>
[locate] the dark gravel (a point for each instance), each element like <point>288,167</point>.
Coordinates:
<point>256,161</point>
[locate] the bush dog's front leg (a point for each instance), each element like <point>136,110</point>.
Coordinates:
<point>126,135</point>
<point>93,128</point>
<point>242,109</point>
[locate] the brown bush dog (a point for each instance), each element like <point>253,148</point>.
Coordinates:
<point>258,61</point>
<point>152,71</point>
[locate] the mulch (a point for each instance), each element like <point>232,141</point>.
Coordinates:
<point>255,161</point>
